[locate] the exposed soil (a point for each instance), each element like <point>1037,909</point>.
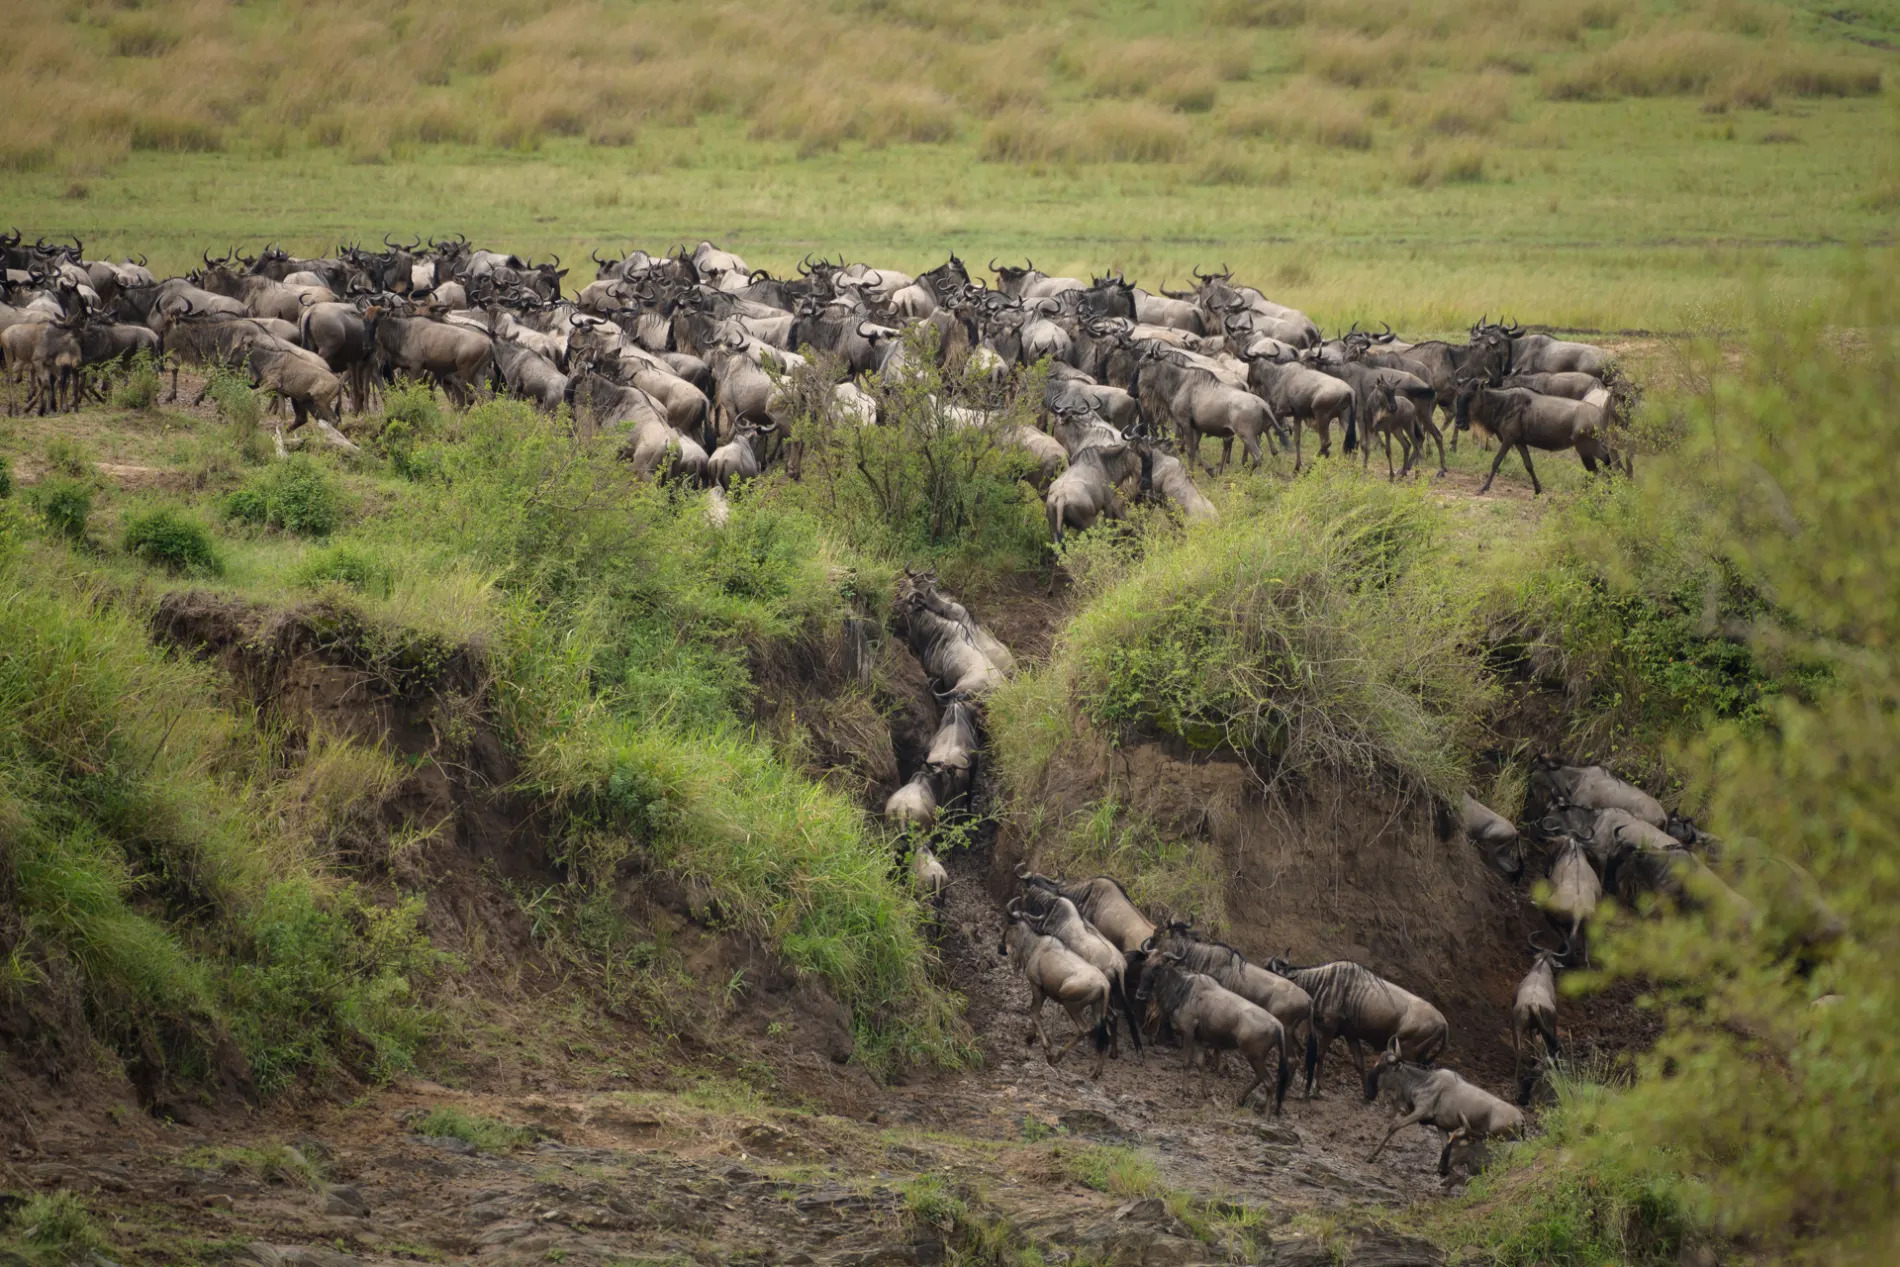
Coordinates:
<point>638,1157</point>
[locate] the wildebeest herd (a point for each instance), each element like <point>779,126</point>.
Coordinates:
<point>685,357</point>
<point>1085,946</point>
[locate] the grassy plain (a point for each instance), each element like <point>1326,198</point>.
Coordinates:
<point>1602,165</point>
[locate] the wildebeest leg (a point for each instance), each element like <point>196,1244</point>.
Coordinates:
<point>174,394</point>
<point>1431,429</point>
<point>1318,1039</point>
<point>1524,451</point>
<point>1359,1063</point>
<point>1082,1028</point>
<point>1296,446</point>
<point>1503,451</point>
<point>1250,449</point>
<point>1259,1077</point>
<point>1416,1115</point>
<point>1035,1020</point>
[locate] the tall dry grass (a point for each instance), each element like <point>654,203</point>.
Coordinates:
<point>84,83</point>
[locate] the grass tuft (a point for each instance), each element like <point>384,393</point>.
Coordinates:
<point>490,1135</point>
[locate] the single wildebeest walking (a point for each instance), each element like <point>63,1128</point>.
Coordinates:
<point>1353,1002</point>
<point>1205,1013</point>
<point>1056,972</point>
<point>1440,1098</point>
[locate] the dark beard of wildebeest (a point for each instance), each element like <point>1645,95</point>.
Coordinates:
<point>1203,1012</point>
<point>1289,1004</point>
<point>1524,420</point>
<point>1056,916</point>
<point>1353,1002</point>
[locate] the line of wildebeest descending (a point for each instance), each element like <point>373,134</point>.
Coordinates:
<point>1086,946</point>
<point>689,358</point>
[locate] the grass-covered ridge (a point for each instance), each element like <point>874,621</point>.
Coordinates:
<point>172,865</point>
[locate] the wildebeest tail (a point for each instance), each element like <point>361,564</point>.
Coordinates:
<point>1352,425</point>
<point>1101,1033</point>
<point>1312,1053</point>
<point>1285,1077</point>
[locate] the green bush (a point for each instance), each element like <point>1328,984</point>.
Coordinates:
<point>296,495</point>
<point>6,476</point>
<point>170,540</point>
<point>925,485</point>
<point>65,504</point>
<point>346,565</point>
<point>140,387</point>
<point>1325,627</point>
<point>486,1133</point>
<point>241,407</point>
<point>58,1226</point>
<point>411,422</point>
<point>68,458</point>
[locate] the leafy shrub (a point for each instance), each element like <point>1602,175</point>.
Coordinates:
<point>170,540</point>
<point>350,566</point>
<point>65,504</point>
<point>1326,627</point>
<point>139,389</point>
<point>6,476</point>
<point>486,1133</point>
<point>68,458</point>
<point>242,409</point>
<point>411,419</point>
<point>296,495</point>
<point>59,1224</point>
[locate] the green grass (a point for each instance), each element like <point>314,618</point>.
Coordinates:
<point>490,1135</point>
<point>55,1228</point>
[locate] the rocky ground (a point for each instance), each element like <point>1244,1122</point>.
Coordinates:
<point>1145,1167</point>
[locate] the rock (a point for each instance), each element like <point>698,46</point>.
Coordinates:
<point>1276,1133</point>
<point>1151,1210</point>
<point>267,1255</point>
<point>1374,1248</point>
<point>767,1140</point>
<point>1089,1122</point>
<point>448,1144</point>
<point>1300,1251</point>
<point>341,1198</point>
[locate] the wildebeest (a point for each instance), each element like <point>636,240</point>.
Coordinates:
<point>927,875</point>
<point>1165,479</point>
<point>1494,835</point>
<point>1055,972</point>
<point>1353,1002</point>
<point>1204,1013</point>
<point>738,458</point>
<point>454,355</point>
<point>1593,787</point>
<point>1575,890</point>
<point>1524,420</point>
<point>1290,1004</point>
<point>1056,916</point>
<point>948,649</point>
<point>1534,1008</point>
<point>1090,488</point>
<point>953,753</point>
<point>1440,1098</point>
<point>1304,397</point>
<point>1199,404</point>
<point>913,807</point>
<point>530,375</point>
<point>1103,902</point>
